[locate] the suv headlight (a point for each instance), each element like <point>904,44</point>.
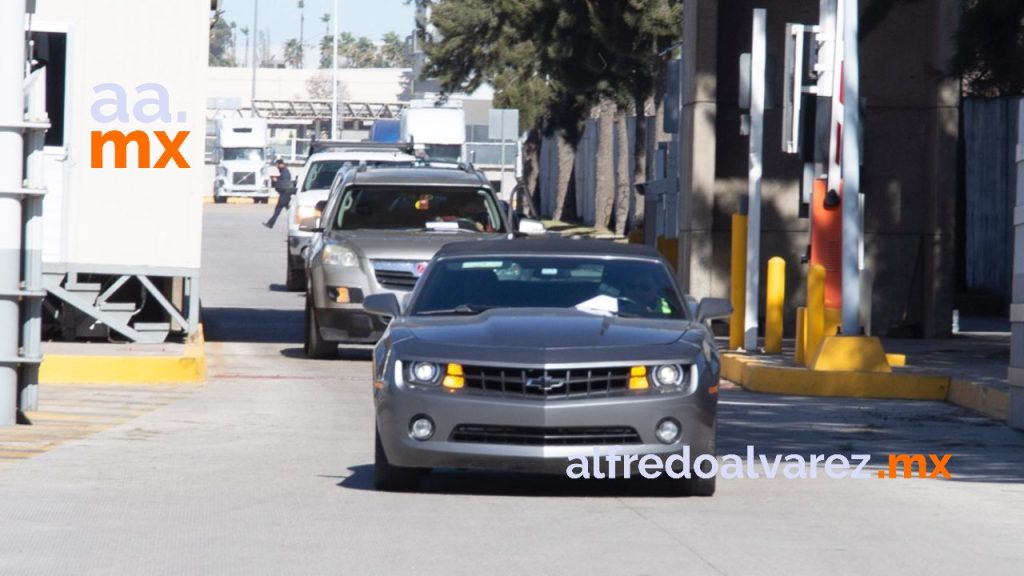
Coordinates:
<point>337,255</point>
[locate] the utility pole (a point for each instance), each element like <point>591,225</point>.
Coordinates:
<point>757,80</point>
<point>334,78</point>
<point>12,118</point>
<point>851,170</point>
<point>255,44</point>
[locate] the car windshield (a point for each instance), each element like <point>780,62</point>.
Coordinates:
<point>254,154</point>
<point>418,208</point>
<point>607,286</point>
<point>321,173</point>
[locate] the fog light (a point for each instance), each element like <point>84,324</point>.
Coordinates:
<point>667,431</point>
<point>421,428</point>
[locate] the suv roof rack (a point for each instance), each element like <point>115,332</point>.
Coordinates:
<point>316,146</point>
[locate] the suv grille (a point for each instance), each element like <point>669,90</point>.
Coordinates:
<point>548,384</point>
<point>244,178</point>
<point>395,279</point>
<point>522,435</point>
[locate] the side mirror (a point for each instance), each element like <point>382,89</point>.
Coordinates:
<point>713,309</point>
<point>311,224</point>
<point>382,305</point>
<point>527,226</point>
<point>321,205</point>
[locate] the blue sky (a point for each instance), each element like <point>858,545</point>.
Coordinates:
<point>370,18</point>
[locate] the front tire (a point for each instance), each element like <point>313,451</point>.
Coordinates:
<point>390,478</point>
<point>295,278</point>
<point>220,199</point>
<point>314,345</point>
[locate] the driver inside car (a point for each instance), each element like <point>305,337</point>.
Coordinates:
<point>637,293</point>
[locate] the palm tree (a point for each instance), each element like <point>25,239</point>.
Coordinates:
<point>293,53</point>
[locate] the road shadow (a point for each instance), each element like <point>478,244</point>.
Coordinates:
<point>345,352</point>
<point>273,287</point>
<point>982,450</point>
<point>515,484</point>
<point>252,325</point>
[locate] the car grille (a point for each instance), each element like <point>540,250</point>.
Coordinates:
<point>398,274</point>
<point>548,384</point>
<point>244,178</point>
<point>395,279</point>
<point>526,436</point>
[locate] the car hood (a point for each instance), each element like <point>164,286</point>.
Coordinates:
<point>542,328</point>
<point>405,245</point>
<point>311,196</point>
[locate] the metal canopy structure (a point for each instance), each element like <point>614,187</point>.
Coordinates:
<point>310,110</point>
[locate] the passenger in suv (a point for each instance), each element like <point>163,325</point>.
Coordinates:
<point>376,234</point>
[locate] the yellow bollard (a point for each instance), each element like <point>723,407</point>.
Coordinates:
<point>801,334</point>
<point>776,296</point>
<point>815,311</point>
<point>738,280</point>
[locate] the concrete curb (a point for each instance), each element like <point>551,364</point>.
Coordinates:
<point>189,368</point>
<point>992,401</point>
<point>756,376</point>
<point>753,374</point>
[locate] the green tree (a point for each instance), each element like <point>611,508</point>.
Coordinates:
<point>293,53</point>
<point>393,52</point>
<point>220,43</point>
<point>990,47</point>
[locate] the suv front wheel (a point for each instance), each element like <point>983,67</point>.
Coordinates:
<point>314,345</point>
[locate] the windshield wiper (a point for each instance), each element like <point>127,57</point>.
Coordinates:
<point>460,309</point>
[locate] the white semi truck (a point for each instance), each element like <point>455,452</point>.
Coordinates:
<point>241,155</point>
<point>439,127</point>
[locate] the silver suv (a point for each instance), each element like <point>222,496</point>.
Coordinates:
<point>314,184</point>
<point>376,233</point>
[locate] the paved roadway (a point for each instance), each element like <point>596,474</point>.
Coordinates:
<point>267,470</point>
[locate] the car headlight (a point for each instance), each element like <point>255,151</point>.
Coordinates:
<point>337,255</point>
<point>668,375</point>
<point>222,171</point>
<point>303,212</point>
<point>423,373</point>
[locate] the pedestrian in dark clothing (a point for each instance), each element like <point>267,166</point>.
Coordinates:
<point>285,188</point>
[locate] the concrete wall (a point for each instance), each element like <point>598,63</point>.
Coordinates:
<point>909,175</point>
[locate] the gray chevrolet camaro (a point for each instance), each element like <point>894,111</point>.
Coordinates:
<point>522,354</point>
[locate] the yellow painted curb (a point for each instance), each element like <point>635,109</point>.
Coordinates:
<point>758,377</point>
<point>190,368</point>
<point>990,401</point>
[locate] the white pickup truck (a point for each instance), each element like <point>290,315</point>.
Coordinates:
<point>329,159</point>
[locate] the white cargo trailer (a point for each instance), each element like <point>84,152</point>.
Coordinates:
<point>124,163</point>
<point>439,127</point>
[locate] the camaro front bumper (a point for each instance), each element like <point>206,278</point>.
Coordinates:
<point>397,406</point>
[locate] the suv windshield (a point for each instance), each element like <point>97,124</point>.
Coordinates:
<point>321,173</point>
<point>599,285</point>
<point>412,207</point>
